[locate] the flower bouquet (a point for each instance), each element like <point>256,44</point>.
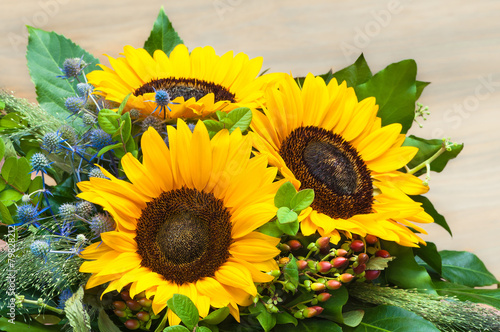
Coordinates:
<point>181,190</point>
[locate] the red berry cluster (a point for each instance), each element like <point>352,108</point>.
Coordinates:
<point>135,313</point>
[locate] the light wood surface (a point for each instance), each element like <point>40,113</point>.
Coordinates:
<point>456,45</point>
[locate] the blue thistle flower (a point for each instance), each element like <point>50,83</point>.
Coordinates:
<point>68,134</point>
<point>74,104</point>
<point>51,141</point>
<point>40,248</point>
<point>162,99</point>
<point>88,119</point>
<point>84,208</point>
<point>72,67</point>
<point>99,139</point>
<point>67,211</point>
<point>101,223</point>
<point>63,297</point>
<point>27,213</point>
<point>84,90</point>
<point>40,163</point>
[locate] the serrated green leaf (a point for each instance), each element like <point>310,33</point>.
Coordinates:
<point>290,228</point>
<point>395,91</point>
<point>75,312</point>
<point>241,118</point>
<point>464,293</point>
<point>465,268</point>
<point>105,324</point>
<point>426,149</point>
<point>183,307</point>
<point>332,309</point>
<point>46,54</point>
<point>2,148</point>
<point>390,318</point>
<point>176,328</point>
<point>291,271</point>
<point>429,255</point>
<point>353,318</point>
<point>163,36</point>
<point>429,208</point>
<point>284,195</point>
<point>310,325</point>
<point>404,271</point>
<point>420,88</point>
<point>109,121</point>
<point>285,318</point>
<point>355,74</point>
<point>285,215</point>
<point>302,200</point>
<point>378,263</point>
<point>23,178</point>
<point>10,196</point>
<point>6,216</point>
<point>216,316</point>
<point>265,318</point>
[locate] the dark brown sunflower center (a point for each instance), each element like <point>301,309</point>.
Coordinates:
<point>187,88</point>
<point>184,235</point>
<point>325,162</point>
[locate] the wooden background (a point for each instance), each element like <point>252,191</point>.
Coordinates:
<point>456,45</point>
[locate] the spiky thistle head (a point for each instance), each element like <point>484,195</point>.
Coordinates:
<point>99,139</point>
<point>101,223</point>
<point>39,163</point>
<point>40,248</point>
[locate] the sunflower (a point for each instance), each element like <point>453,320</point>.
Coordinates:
<point>321,137</point>
<point>186,222</point>
<point>188,85</point>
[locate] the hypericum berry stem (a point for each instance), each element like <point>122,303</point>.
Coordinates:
<point>446,146</point>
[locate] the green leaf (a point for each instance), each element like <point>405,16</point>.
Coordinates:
<point>355,74</point>
<point>46,54</point>
<point>310,325</point>
<point>265,318</point>
<point>216,316</point>
<point>105,324</point>
<point>426,149</point>
<point>2,107</point>
<point>23,179</point>
<point>20,326</point>
<point>404,271</point>
<point>333,307</point>
<point>123,104</point>
<point>109,121</point>
<point>241,118</point>
<point>291,271</point>
<point>429,208</point>
<point>183,307</point>
<point>389,318</point>
<point>285,318</point>
<point>2,148</point>
<point>75,312</point>
<point>10,196</point>
<point>302,200</point>
<point>353,318</point>
<point>271,229</point>
<point>9,169</point>
<point>395,91</point>
<point>176,328</point>
<point>464,293</point>
<point>202,329</point>
<point>290,228</point>
<point>6,217</point>
<point>163,36</point>
<point>125,127</point>
<point>465,268</point>
<point>286,216</point>
<point>420,88</point>
<point>213,127</point>
<point>108,148</point>
<point>46,319</point>
<point>378,263</point>
<point>284,195</point>
<point>327,77</point>
<point>429,255</point>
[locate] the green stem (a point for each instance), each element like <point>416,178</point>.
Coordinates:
<point>428,161</point>
<point>45,306</point>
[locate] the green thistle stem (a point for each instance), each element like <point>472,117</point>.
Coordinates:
<point>447,313</point>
